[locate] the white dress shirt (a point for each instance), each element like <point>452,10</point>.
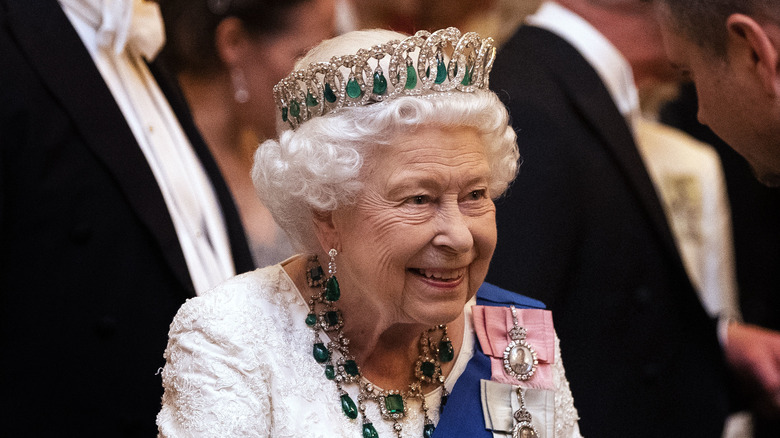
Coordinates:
<point>613,69</point>
<point>118,34</point>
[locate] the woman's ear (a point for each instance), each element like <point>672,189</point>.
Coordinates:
<point>230,39</point>
<point>757,45</point>
<point>325,230</point>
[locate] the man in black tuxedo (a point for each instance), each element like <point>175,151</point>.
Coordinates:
<point>92,269</point>
<point>730,49</point>
<point>583,230</point>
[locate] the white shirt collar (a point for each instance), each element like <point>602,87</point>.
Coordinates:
<point>611,66</point>
<point>136,24</point>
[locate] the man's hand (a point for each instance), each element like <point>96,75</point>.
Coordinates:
<point>754,353</point>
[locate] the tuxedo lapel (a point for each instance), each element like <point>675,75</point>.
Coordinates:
<point>589,94</point>
<point>242,257</point>
<point>55,50</point>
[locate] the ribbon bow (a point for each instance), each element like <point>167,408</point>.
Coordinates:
<point>135,24</point>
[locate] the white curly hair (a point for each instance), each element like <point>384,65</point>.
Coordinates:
<point>318,166</point>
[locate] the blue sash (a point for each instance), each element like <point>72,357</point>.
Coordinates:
<point>462,416</point>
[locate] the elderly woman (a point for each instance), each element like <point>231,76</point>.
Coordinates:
<point>386,174</point>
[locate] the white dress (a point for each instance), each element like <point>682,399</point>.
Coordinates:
<point>239,363</point>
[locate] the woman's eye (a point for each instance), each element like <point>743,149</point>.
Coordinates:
<point>477,194</point>
<point>418,200</point>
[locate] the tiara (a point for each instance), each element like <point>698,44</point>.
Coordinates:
<point>359,79</point>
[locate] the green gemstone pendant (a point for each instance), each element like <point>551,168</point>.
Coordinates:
<point>330,372</point>
<point>467,77</point>
<point>428,430</point>
<point>411,77</point>
<point>428,369</point>
<point>316,274</point>
<point>284,114</point>
<point>380,83</point>
<point>311,100</point>
<point>295,109</point>
<point>351,368</point>
<point>353,89</point>
<point>369,431</point>
<point>441,72</point>
<point>330,96</point>
<point>446,352</point>
<point>332,291</point>
<point>332,318</point>
<point>311,319</point>
<point>320,352</point>
<point>394,404</point>
<point>348,406</point>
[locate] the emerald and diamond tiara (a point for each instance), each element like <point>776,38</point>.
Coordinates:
<point>359,79</point>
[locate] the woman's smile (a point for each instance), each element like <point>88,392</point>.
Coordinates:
<point>450,276</point>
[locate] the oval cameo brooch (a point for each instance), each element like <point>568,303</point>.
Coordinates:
<point>519,356</point>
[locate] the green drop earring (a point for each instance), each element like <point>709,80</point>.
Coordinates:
<point>332,291</point>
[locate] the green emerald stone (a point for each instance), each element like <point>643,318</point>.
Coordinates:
<point>411,77</point>
<point>467,77</point>
<point>394,404</point>
<point>320,352</point>
<point>311,100</point>
<point>353,89</point>
<point>330,372</point>
<point>311,319</point>
<point>351,368</point>
<point>441,72</point>
<point>284,114</point>
<point>380,83</point>
<point>295,109</point>
<point>348,406</point>
<point>316,274</point>
<point>330,96</point>
<point>428,369</point>
<point>332,317</point>
<point>428,430</point>
<point>332,291</point>
<point>369,431</point>
<point>446,352</point>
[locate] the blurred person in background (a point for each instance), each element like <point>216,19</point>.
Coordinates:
<point>730,51</point>
<point>492,17</point>
<point>228,55</point>
<point>112,214</point>
<point>585,230</point>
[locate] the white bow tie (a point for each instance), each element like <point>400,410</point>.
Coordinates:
<point>135,24</point>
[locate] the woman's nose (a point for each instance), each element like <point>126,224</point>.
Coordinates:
<point>453,230</point>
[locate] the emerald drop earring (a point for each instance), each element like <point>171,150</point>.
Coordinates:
<point>332,291</point>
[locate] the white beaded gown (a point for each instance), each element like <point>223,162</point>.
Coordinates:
<point>239,364</point>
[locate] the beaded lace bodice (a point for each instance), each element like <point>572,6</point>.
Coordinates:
<point>239,364</point>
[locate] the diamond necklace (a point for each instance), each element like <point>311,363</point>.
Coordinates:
<point>323,316</point>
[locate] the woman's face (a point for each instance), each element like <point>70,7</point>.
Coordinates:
<point>417,243</point>
<point>271,57</point>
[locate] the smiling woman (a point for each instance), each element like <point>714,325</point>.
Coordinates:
<point>386,171</point>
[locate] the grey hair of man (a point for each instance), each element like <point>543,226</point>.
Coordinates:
<point>704,21</point>
<point>320,165</point>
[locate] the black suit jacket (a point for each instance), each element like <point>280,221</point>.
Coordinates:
<point>583,230</point>
<point>91,270</point>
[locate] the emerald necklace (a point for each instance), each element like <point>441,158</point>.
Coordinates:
<point>340,366</point>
